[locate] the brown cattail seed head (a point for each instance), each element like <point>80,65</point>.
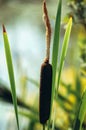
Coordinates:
<point>45,92</point>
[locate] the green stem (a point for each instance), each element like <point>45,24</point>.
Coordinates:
<point>48,126</point>
<point>44,127</point>
<point>53,124</point>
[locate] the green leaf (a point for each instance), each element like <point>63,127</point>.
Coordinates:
<point>25,113</point>
<point>10,72</point>
<point>56,48</point>
<point>81,113</point>
<point>62,58</point>
<point>64,49</point>
<point>33,81</point>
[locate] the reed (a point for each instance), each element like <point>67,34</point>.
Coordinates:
<point>10,72</point>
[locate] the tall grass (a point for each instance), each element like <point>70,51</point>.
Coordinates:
<point>10,72</point>
<point>56,48</point>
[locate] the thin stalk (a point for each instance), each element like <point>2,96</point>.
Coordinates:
<point>33,81</point>
<point>28,115</point>
<point>54,119</point>
<point>44,127</point>
<point>64,50</point>
<point>48,126</point>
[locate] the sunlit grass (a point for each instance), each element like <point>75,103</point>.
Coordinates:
<point>10,72</point>
<point>56,48</point>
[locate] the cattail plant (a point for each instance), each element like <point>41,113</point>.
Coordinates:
<point>48,85</point>
<point>46,74</point>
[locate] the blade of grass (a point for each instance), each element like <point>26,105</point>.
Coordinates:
<point>81,113</point>
<point>28,115</point>
<point>10,72</point>
<point>56,48</point>
<point>64,49</point>
<point>55,53</point>
<point>33,81</point>
<point>70,91</point>
<point>62,58</point>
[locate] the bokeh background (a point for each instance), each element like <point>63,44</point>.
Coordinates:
<point>26,32</point>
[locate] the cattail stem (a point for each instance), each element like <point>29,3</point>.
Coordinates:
<point>44,127</point>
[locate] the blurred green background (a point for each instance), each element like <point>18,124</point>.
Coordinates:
<point>26,32</point>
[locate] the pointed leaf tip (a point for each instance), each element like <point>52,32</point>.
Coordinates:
<point>70,19</point>
<point>4,30</point>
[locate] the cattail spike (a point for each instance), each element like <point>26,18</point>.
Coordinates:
<point>48,29</point>
<point>46,75</point>
<point>45,92</point>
